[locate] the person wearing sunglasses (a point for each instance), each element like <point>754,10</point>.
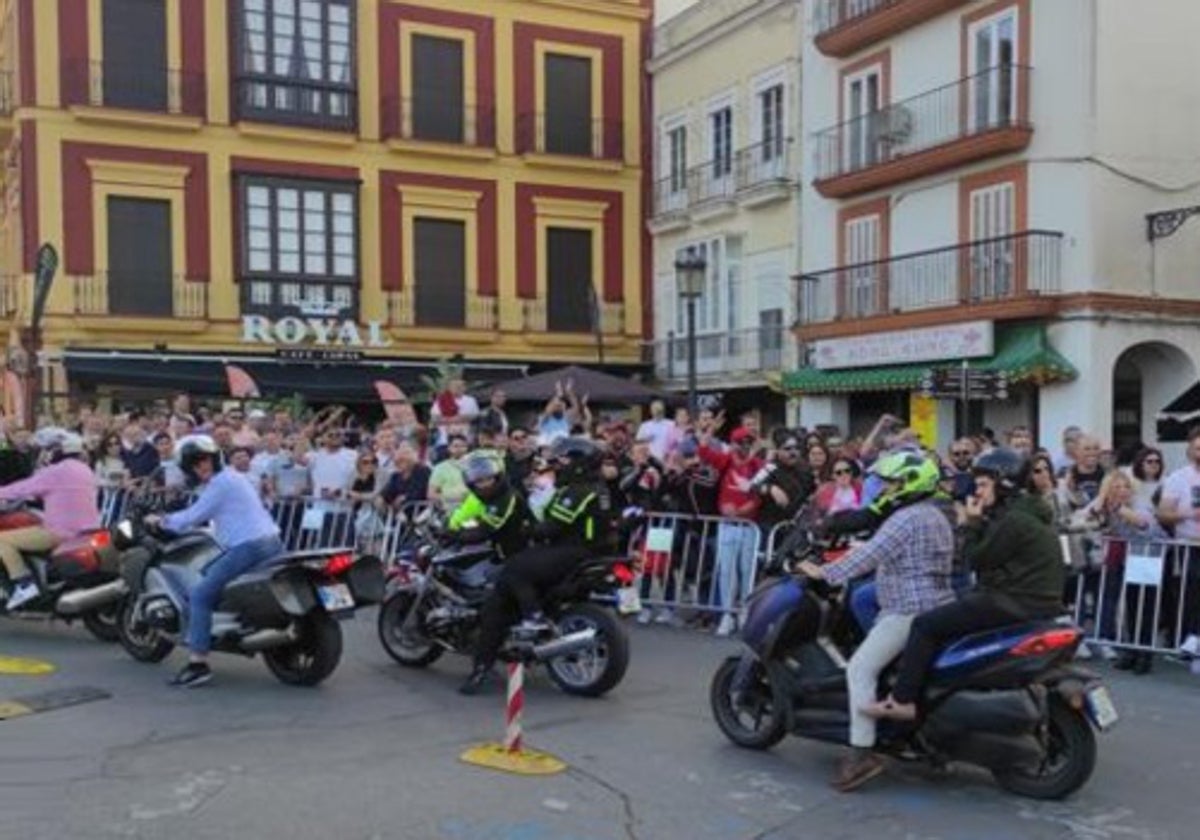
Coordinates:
<point>843,492</point>
<point>785,485</point>
<point>1148,467</point>
<point>962,454</point>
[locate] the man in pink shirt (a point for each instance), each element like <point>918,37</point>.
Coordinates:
<point>68,490</point>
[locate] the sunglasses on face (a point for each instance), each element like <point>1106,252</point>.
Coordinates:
<point>960,454</point>
<point>1152,461</point>
<point>792,449</point>
<point>842,471</point>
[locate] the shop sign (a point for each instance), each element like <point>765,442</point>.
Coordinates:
<point>306,354</point>
<point>312,332</point>
<point>950,342</point>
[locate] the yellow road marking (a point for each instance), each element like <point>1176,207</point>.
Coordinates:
<point>9,709</point>
<point>16,666</point>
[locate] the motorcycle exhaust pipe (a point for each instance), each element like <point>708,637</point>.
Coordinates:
<point>83,600</point>
<point>565,645</point>
<point>269,638</point>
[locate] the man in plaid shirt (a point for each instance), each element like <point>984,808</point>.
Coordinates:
<point>912,556</point>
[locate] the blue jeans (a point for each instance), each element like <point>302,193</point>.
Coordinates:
<point>736,545</point>
<point>205,595</point>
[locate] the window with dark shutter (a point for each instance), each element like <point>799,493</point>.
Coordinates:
<point>568,123</point>
<point>440,266</point>
<point>437,89</point>
<point>134,71</point>
<point>140,272</point>
<point>569,289</point>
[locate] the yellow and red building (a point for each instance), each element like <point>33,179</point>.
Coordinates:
<point>385,183</point>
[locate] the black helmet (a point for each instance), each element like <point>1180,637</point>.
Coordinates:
<point>484,476</point>
<point>1007,467</point>
<point>192,450</point>
<point>575,458</point>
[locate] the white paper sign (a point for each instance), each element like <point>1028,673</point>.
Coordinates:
<point>1143,569</point>
<point>971,340</point>
<point>660,539</point>
<point>314,519</point>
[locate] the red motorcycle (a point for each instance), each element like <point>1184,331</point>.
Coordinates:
<point>80,579</point>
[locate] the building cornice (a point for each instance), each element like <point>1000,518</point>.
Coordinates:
<point>715,33</point>
<point>628,9</point>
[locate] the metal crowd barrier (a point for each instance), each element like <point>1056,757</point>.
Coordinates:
<point>1139,595</point>
<point>305,524</point>
<point>697,564</point>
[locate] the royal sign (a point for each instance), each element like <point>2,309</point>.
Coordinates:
<point>314,332</point>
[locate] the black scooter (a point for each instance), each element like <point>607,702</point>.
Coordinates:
<point>1008,700</point>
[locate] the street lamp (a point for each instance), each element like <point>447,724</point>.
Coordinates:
<point>691,272</point>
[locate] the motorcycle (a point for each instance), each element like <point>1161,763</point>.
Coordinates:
<point>1007,700</point>
<point>288,611</point>
<point>77,580</point>
<point>434,601</point>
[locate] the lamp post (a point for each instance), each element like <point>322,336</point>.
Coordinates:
<point>691,271</point>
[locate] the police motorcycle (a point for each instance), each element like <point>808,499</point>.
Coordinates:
<point>77,580</point>
<point>1009,700</point>
<point>436,594</point>
<point>288,611</point>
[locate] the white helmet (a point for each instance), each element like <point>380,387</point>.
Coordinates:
<point>57,442</point>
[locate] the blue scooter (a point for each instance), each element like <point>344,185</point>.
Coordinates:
<point>1008,700</point>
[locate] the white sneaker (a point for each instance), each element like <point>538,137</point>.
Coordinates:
<point>1108,654</point>
<point>644,617</point>
<point>1191,645</point>
<point>727,625</point>
<point>665,616</point>
<point>1083,652</point>
<point>22,594</point>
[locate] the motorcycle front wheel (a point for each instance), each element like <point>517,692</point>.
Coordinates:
<point>598,669</point>
<point>313,658</point>
<point>1069,761</point>
<point>410,647</point>
<point>749,717</point>
<point>140,640</point>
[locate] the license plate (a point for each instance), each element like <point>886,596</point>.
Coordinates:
<point>1101,708</point>
<point>628,601</point>
<point>336,597</point>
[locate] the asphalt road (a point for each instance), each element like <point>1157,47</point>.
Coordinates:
<point>374,755</point>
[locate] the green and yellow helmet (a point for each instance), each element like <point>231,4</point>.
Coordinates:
<point>910,476</point>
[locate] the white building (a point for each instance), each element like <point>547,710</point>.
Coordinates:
<point>726,92</point>
<point>981,175</point>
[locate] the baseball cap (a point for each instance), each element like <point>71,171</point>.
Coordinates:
<point>741,434</point>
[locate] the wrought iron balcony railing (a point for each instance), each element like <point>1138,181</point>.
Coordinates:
<point>597,138</point>
<point>296,102</point>
<point>537,318</point>
<point>438,120</point>
<point>994,99</point>
<point>117,84</point>
<point>479,313</point>
<point>754,350</point>
<point>140,295</point>
<point>764,163</point>
<point>1023,265</point>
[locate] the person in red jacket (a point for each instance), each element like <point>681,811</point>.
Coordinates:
<point>737,499</point>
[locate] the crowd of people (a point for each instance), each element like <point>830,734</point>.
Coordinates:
<point>710,466</point>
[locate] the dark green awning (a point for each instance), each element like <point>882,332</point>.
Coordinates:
<point>1022,351</point>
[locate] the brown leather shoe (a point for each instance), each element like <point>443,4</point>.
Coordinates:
<point>857,768</point>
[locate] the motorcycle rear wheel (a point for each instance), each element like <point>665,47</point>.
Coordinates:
<point>755,723</point>
<point>1067,767</point>
<point>313,658</point>
<point>143,643</point>
<point>597,670</point>
<point>412,650</point>
<point>104,622</point>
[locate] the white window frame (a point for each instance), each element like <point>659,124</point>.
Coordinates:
<point>992,83</point>
<point>715,105</point>
<point>993,263</point>
<point>863,284</point>
<point>666,127</point>
<point>867,143</point>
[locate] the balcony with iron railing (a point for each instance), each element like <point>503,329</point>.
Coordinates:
<point>764,172</point>
<point>437,119</point>
<point>128,86</point>
<point>844,27</point>
<point>757,350</point>
<point>538,318</point>
<point>478,313</point>
<point>299,102</point>
<point>756,175</point>
<point>140,296</point>
<point>972,119</point>
<point>1002,278</point>
<point>550,134</point>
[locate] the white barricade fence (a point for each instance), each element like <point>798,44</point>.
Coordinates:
<point>701,564</point>
<point>1135,594</point>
